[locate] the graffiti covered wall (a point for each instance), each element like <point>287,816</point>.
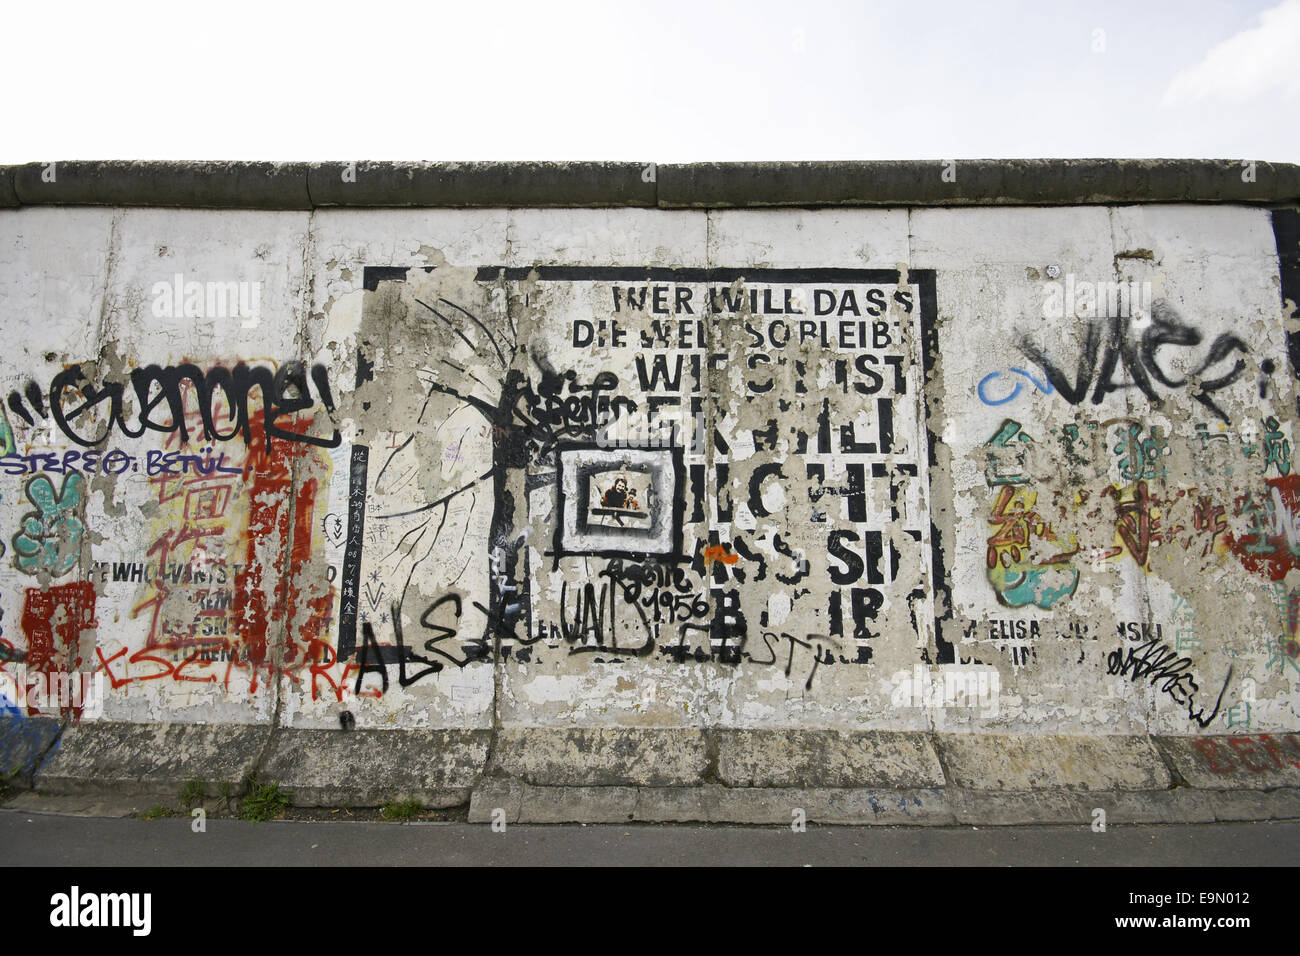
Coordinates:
<point>641,468</point>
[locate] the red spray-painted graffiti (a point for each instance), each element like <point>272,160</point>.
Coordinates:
<point>1255,754</point>
<point>1272,545</point>
<point>62,611</point>
<point>235,627</point>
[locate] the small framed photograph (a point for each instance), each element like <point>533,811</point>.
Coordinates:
<point>619,501</point>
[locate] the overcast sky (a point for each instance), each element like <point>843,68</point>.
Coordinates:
<point>666,81</point>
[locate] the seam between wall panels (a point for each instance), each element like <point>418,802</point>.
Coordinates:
<point>286,587</point>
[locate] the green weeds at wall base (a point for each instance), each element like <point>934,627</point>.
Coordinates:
<point>194,792</point>
<point>264,802</point>
<point>403,810</point>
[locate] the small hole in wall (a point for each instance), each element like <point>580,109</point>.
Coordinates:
<point>346,720</point>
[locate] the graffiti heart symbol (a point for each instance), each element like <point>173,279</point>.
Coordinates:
<point>334,528</point>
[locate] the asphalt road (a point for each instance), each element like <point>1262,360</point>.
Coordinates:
<point>39,839</point>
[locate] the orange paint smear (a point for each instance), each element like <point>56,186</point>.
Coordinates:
<point>719,552</point>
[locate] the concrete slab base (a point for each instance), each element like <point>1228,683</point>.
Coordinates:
<point>1029,762</point>
<point>131,759</point>
<point>98,805</point>
<point>1251,761</point>
<point>25,742</point>
<point>326,768</point>
<point>875,759</point>
<point>1077,808</point>
<point>1238,805</point>
<point>510,801</point>
<point>602,757</point>
<point>656,775</point>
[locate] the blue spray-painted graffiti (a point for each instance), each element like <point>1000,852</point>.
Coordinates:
<point>1044,387</point>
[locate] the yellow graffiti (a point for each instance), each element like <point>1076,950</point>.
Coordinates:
<point>1017,569</point>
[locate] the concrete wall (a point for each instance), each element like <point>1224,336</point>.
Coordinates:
<point>997,468</point>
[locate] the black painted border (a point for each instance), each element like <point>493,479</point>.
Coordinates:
<point>1286,233</point>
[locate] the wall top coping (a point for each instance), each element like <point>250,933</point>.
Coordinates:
<point>325,185</point>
